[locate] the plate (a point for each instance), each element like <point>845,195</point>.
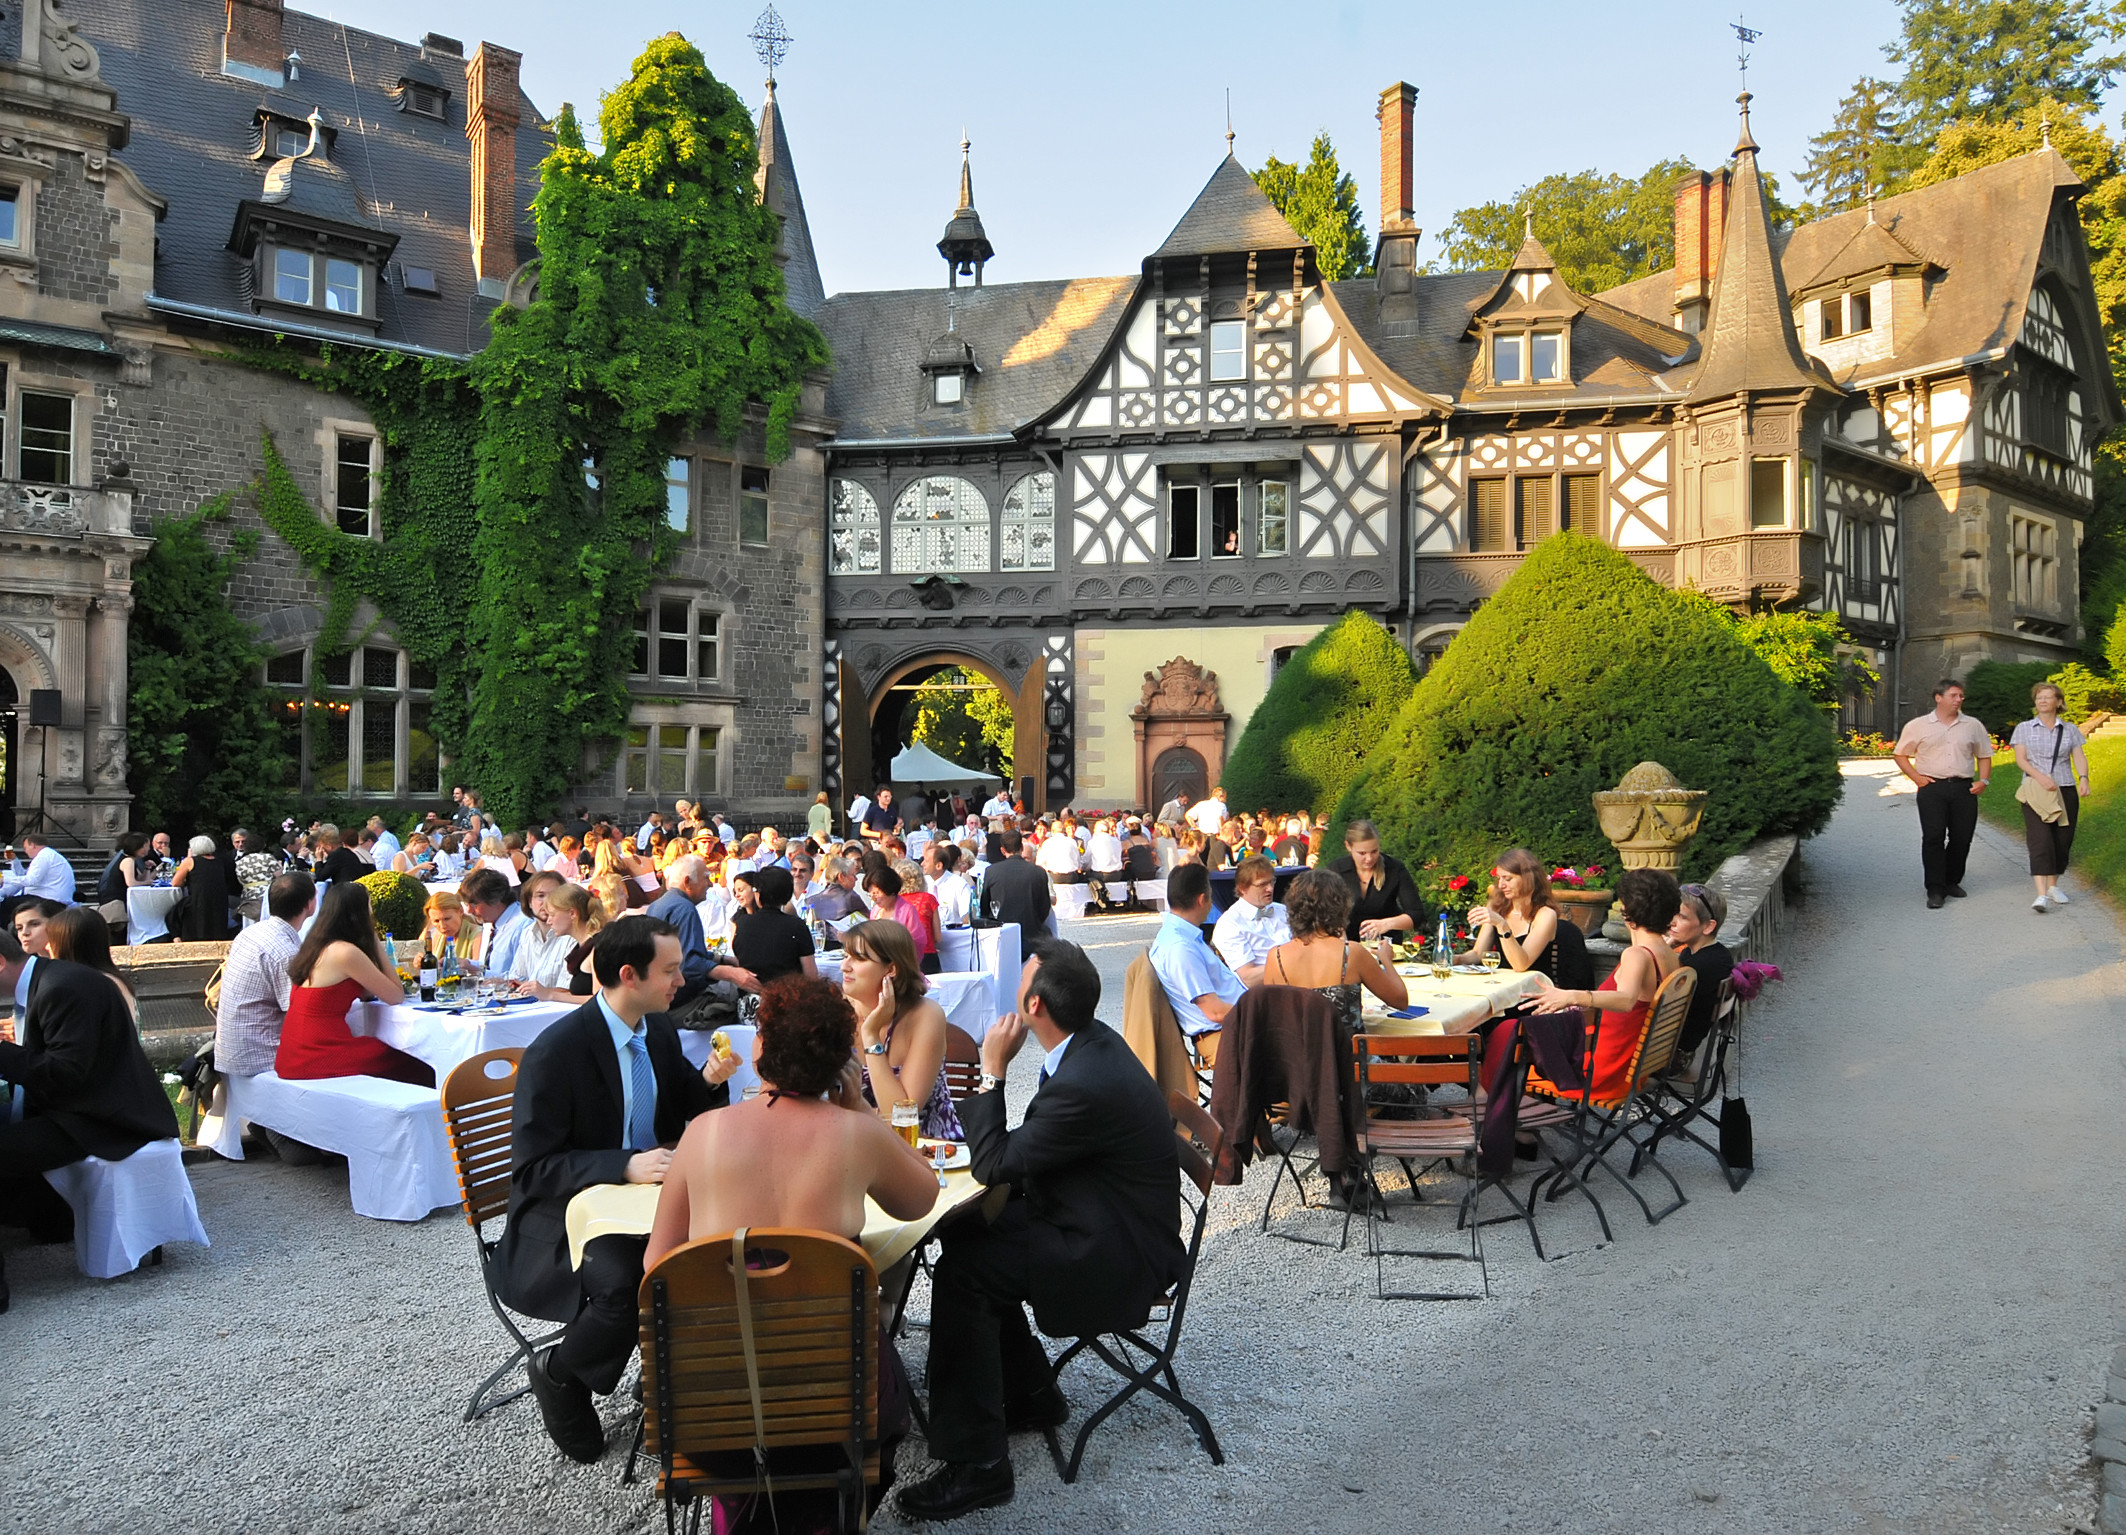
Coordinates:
<point>961,1155</point>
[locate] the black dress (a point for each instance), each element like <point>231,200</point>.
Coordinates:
<point>771,944</point>
<point>1395,896</point>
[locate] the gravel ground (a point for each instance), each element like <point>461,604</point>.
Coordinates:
<point>1900,1323</point>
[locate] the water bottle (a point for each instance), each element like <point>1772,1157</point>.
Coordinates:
<point>1446,941</point>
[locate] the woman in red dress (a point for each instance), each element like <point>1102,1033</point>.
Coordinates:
<point>1620,1004</point>
<point>338,963</point>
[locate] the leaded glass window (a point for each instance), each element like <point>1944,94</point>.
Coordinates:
<point>853,539</point>
<point>940,524</point>
<point>1029,532</point>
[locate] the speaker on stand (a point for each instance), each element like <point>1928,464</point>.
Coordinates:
<point>44,714</point>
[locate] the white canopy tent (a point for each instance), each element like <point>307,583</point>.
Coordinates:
<point>918,764</point>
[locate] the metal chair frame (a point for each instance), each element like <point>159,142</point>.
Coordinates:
<point>1191,1122</point>
<point>477,1118</point>
<point>1678,1104</point>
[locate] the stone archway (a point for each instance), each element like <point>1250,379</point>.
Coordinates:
<point>860,706</point>
<point>1178,716</point>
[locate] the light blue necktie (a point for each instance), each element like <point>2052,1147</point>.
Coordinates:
<point>642,1123</point>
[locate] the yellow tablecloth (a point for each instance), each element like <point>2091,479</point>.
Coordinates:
<point>1455,1005</point>
<point>629,1209</point>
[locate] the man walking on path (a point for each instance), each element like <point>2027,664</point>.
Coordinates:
<point>1941,752</point>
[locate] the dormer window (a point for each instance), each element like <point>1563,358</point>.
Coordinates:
<point>1229,355</point>
<point>949,388</point>
<point>291,276</point>
<point>315,281</point>
<point>422,101</point>
<point>1545,353</point>
<point>1536,357</point>
<point>1506,360</point>
<point>343,286</point>
<point>287,142</point>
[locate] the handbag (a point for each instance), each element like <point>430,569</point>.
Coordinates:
<point>1737,1143</point>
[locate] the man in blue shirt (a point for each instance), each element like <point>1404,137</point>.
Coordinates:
<point>1198,984</point>
<point>387,845</point>
<point>686,882</point>
<point>489,900</point>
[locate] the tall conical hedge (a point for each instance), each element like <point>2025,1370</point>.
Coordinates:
<point>1580,668</point>
<point>1326,708</point>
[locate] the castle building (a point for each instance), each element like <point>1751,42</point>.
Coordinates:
<point>1127,499</point>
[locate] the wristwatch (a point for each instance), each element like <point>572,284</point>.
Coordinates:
<point>989,1083</point>
<point>877,1049</point>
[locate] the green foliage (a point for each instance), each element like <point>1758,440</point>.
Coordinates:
<point>399,902</point>
<point>205,755</point>
<point>1808,650</point>
<point>1997,693</point>
<point>964,718</point>
<point>1996,59</point>
<point>1601,230</point>
<point>1307,738</point>
<point>659,308</point>
<point>1862,151</point>
<point>1579,669</point>
<point>1321,203</point>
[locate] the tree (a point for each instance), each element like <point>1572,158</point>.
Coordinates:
<point>1602,230</point>
<point>963,718</point>
<point>659,309</point>
<point>1988,60</point>
<point>1807,650</point>
<point>1321,203</point>
<point>1862,152</point>
<point>1308,736</point>
<point>1579,669</point>
<point>206,754</point>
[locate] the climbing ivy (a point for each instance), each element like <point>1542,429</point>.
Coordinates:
<point>659,309</point>
<point>522,499</point>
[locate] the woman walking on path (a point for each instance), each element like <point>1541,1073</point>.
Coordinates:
<point>2042,746</point>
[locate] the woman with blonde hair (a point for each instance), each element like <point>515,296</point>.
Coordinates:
<point>901,1032</point>
<point>561,972</point>
<point>612,893</point>
<point>493,855</point>
<point>616,855</point>
<point>2045,746</point>
<point>416,858</point>
<point>447,932</point>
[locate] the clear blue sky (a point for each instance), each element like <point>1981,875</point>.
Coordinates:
<point>1095,123</point>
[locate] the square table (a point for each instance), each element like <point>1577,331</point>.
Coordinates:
<point>1453,1006</point>
<point>444,1040</point>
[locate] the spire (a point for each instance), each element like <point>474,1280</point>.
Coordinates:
<point>965,245</point>
<point>776,182</point>
<point>1749,338</point>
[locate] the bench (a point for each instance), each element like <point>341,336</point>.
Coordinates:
<point>391,1133</point>
<point>126,1210</point>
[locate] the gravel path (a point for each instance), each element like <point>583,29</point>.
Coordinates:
<point>1899,1324</point>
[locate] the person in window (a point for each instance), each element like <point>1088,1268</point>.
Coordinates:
<point>1383,899</point>
<point>767,939</point>
<point>338,964</point>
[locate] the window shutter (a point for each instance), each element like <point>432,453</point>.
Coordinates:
<point>1583,504</point>
<point>1487,522</point>
<point>1536,503</point>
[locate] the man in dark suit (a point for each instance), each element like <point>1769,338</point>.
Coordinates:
<point>1015,890</point>
<point>1090,1236</point>
<point>602,1096</point>
<point>84,1083</point>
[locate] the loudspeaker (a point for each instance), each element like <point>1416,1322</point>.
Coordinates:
<point>44,706</point>
<point>1026,790</point>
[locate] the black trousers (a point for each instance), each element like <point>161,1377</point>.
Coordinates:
<point>29,1149</point>
<point>596,1347</point>
<point>983,1356</point>
<point>1948,815</point>
<point>2050,842</point>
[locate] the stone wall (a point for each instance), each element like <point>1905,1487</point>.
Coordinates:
<point>76,235</point>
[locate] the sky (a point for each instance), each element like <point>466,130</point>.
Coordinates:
<point>1094,124</point>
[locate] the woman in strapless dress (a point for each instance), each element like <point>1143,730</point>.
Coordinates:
<point>338,964</point>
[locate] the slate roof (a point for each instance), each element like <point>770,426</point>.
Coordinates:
<point>803,290</point>
<point>1985,230</point>
<point>1872,249</point>
<point>1032,341</point>
<point>1229,214</point>
<point>194,138</point>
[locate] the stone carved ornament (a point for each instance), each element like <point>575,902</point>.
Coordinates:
<point>110,756</point>
<point>65,54</point>
<point>1179,687</point>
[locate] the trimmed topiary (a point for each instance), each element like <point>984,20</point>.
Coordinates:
<point>1996,693</point>
<point>1579,669</point>
<point>398,902</point>
<point>1308,737</point>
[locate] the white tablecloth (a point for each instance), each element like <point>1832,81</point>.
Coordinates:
<point>1074,900</point>
<point>1455,1005</point>
<point>391,1133</point>
<point>147,911</point>
<point>443,1040</point>
<point>126,1209</point>
<point>696,1042</point>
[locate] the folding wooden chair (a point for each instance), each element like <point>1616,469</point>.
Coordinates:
<point>963,1062</point>
<point>755,1344</point>
<point>1600,1122</point>
<point>1399,1061</point>
<point>1194,1125</point>
<point>479,1097</point>
<point>1683,1095</point>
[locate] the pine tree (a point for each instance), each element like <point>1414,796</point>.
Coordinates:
<point>1994,59</point>
<point>1321,203</point>
<point>1862,151</point>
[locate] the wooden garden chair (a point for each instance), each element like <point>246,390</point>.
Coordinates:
<point>1684,1096</point>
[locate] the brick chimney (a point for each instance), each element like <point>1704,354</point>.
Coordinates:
<point>1395,255</point>
<point>253,39</point>
<point>491,125</point>
<point>1701,222</point>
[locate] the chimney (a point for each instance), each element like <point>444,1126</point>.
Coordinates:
<point>1701,222</point>
<point>252,43</point>
<point>491,125</point>
<point>1395,255</point>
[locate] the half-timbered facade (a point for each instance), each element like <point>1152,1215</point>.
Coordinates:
<point>1068,486</point>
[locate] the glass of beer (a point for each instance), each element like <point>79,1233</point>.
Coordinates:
<point>907,1122</point>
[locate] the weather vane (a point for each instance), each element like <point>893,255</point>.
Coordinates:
<point>1744,36</point>
<point>771,41</point>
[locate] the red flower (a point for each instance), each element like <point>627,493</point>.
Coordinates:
<point>1458,882</point>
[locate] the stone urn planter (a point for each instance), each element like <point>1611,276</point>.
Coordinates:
<point>1650,817</point>
<point>1584,909</point>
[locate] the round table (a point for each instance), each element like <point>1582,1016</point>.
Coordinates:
<point>147,911</point>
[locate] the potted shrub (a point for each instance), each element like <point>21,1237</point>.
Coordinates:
<point>1579,900</point>
<point>398,902</point>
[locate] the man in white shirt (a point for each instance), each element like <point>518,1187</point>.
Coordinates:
<point>642,832</point>
<point>387,845</point>
<point>1254,924</point>
<point>1208,815</point>
<point>254,996</point>
<point>1059,856</point>
<point>48,877</point>
<point>954,891</point>
<point>1103,861</point>
<point>920,835</point>
<point>999,805</point>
